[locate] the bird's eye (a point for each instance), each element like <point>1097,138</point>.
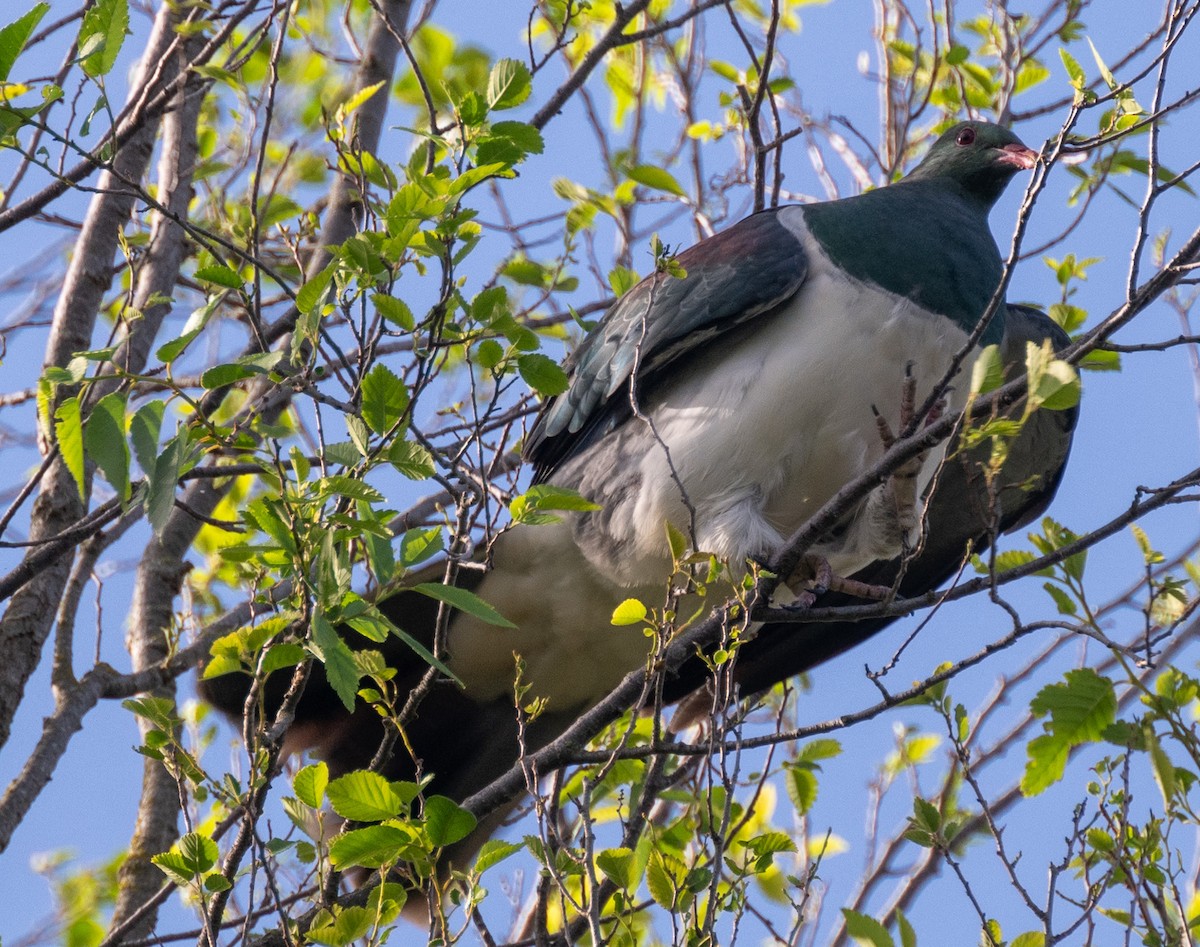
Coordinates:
<point>966,136</point>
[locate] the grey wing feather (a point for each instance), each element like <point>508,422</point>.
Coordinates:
<point>730,279</point>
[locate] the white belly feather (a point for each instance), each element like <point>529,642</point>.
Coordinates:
<point>763,429</point>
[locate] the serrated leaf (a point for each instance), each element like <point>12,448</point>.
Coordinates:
<point>104,441</point>
<point>68,433</point>
<point>509,84</point>
<point>446,821</point>
<point>340,669</point>
<point>629,612</point>
<point>494,851</point>
<point>987,374</point>
<point>364,796</point>
<point>15,35</point>
<point>313,291</point>
<point>530,506</point>
<point>143,432</point>
<point>1081,709</point>
<point>656,178</point>
<point>801,788</point>
<point>384,398</point>
<point>309,784</point>
<point>465,601</point>
<point>524,136</point>
<point>285,655</point>
<point>411,459</point>
<point>372,847</point>
<point>542,374</point>
<point>663,883</point>
<point>1074,70</point>
<point>619,866</point>
<point>866,930</point>
<point>220,275</point>
<point>102,34</point>
<point>394,310</point>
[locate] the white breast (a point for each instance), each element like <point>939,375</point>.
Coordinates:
<point>769,424</point>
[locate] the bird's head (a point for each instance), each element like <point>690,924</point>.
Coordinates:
<point>978,156</point>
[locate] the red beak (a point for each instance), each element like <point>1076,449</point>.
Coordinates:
<point>1018,155</point>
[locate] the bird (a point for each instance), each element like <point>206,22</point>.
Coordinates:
<point>733,401</point>
<point>729,396</point>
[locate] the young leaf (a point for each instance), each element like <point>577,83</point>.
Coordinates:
<point>509,84</point>
<point>102,35</point>
<point>542,374</point>
<point>310,783</point>
<point>656,178</point>
<point>220,275</point>
<point>446,821</point>
<point>15,35</point>
<point>364,796</point>
<point>629,612</point>
<point>338,659</point>
<point>372,847</point>
<point>464,601</point>
<point>68,431</point>
<point>866,930</point>
<point>104,439</point>
<point>384,398</point>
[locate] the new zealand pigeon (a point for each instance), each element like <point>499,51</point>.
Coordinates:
<point>731,402</point>
<point>467,741</point>
<point>734,401</point>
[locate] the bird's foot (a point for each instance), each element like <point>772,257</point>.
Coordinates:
<point>898,496</point>
<point>814,577</point>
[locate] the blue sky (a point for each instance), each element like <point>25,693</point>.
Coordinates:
<point>1138,426</point>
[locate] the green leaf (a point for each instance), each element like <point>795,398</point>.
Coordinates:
<point>313,291</point>
<point>1105,72</point>
<point>509,84</point>
<point>619,866</point>
<point>494,851</point>
<point>657,178</point>
<point>1074,70</point>
<point>629,612</point>
<point>102,35</point>
<point>531,505</point>
<point>285,655</point>
<point>169,351</point>
<point>220,275</point>
<point>957,54</point>
<point>309,784</point>
<point>68,432</point>
<point>542,374</point>
<point>1029,939</point>
<point>384,398</point>
<point>372,847</point>
<point>908,936</point>
<point>525,137</point>
<point>1080,710</point>
<point>446,821</point>
<point>801,787</point>
<point>987,374</point>
<point>866,930</point>
<point>464,601</point>
<point>411,459</point>
<point>104,440</point>
<point>364,796</point>
<point>338,659</point>
<point>15,35</point>
<point>394,310</point>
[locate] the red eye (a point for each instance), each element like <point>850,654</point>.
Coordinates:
<point>966,136</point>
